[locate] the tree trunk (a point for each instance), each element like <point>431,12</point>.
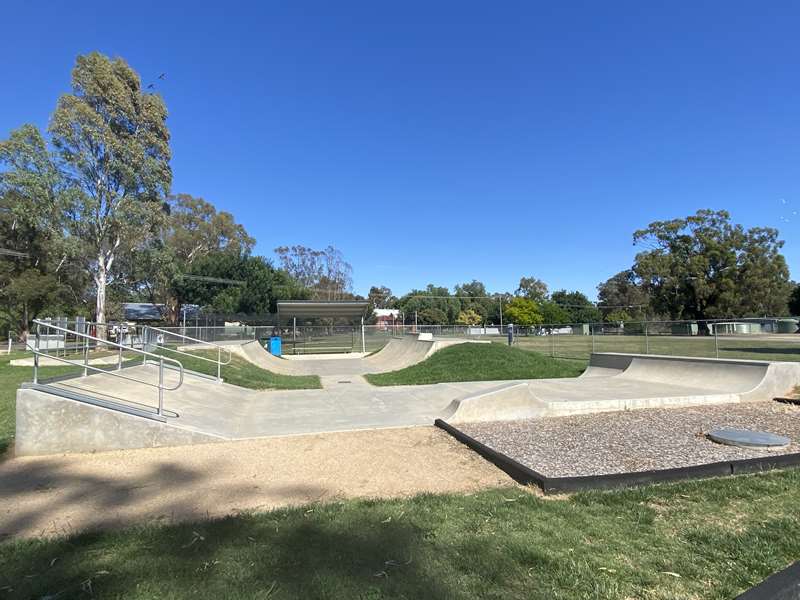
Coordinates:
<point>23,333</point>
<point>100,280</point>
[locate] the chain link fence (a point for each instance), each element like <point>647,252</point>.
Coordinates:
<point>772,338</point>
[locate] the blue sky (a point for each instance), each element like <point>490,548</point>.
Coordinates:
<point>445,141</point>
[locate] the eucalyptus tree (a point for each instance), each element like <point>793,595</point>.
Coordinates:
<point>40,270</point>
<point>113,143</point>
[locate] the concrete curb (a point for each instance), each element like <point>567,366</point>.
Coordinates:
<point>783,585</point>
<point>555,485</point>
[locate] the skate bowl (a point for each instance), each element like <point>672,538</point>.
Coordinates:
<point>614,382</point>
<point>398,353</point>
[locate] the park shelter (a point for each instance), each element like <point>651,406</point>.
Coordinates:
<point>350,310</point>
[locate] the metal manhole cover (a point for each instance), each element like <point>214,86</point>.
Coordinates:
<point>746,438</point>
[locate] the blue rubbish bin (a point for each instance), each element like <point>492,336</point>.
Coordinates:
<point>275,346</point>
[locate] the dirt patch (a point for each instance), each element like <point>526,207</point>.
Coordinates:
<point>56,495</point>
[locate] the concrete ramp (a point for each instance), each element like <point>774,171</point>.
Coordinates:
<point>398,353</point>
<point>630,381</point>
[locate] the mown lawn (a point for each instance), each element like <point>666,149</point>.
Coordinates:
<point>708,539</point>
<point>479,362</point>
<point>10,380</point>
<point>581,346</point>
<point>245,374</point>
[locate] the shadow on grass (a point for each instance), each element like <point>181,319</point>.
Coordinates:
<point>283,555</point>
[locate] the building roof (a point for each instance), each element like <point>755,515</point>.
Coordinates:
<point>308,309</point>
<point>146,311</point>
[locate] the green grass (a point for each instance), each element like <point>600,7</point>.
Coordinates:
<point>478,362</point>
<point>700,540</point>
<point>245,374</point>
<point>581,346</point>
<point>10,380</point>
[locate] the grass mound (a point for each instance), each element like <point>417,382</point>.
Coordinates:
<point>245,374</point>
<point>478,362</point>
<point>706,539</point>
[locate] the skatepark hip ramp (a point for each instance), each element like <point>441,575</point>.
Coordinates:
<point>614,382</point>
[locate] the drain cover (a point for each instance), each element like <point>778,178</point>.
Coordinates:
<point>345,381</point>
<point>746,438</point>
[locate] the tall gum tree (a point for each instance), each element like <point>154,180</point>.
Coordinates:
<point>114,144</point>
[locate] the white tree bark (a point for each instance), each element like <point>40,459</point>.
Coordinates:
<point>101,279</point>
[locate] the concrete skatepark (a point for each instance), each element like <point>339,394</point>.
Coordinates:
<point>100,411</point>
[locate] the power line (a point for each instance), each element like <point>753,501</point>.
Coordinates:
<point>7,252</point>
<point>212,279</point>
<point>501,297</point>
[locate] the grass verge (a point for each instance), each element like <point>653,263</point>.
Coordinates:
<point>245,374</point>
<point>10,379</point>
<point>478,362</point>
<point>699,540</point>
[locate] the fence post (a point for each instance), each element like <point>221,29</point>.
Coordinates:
<point>36,356</point>
<point>119,358</point>
<point>591,330</point>
<point>219,363</point>
<point>646,340</point>
<point>716,340</point>
<point>363,340</point>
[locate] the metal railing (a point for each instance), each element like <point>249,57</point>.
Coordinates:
<point>83,342</point>
<point>162,339</point>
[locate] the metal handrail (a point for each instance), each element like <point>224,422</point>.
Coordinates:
<point>37,352</point>
<point>219,362</point>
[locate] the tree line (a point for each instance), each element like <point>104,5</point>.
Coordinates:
<point>695,268</point>
<point>88,220</point>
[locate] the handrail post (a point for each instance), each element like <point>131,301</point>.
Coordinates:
<point>119,359</point>
<point>144,344</point>
<point>646,340</point>
<point>36,356</point>
<point>160,386</point>
<point>85,355</point>
<point>219,363</point>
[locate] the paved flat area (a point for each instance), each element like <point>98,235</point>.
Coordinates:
<point>637,440</point>
<point>64,494</point>
<point>234,412</point>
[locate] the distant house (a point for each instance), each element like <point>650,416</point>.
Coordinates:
<point>385,317</point>
<point>147,311</point>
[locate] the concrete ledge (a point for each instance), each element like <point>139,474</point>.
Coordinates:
<point>556,485</point>
<point>50,424</point>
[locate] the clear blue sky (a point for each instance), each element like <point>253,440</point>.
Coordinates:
<point>445,141</point>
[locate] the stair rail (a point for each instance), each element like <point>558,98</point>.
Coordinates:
<point>87,342</point>
<point>162,336</point>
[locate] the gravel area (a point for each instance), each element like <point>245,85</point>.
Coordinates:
<point>637,440</point>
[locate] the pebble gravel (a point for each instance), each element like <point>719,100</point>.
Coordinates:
<point>636,440</point>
